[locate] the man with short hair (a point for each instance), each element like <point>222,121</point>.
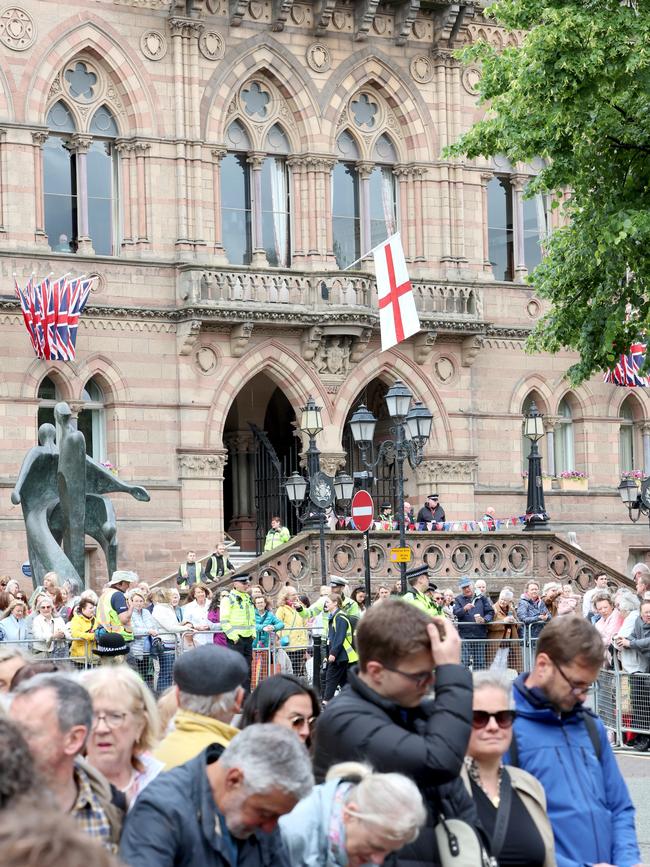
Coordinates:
<point>222,807</point>
<point>384,716</point>
<point>565,746</point>
<point>600,584</point>
<point>277,535</point>
<point>218,564</point>
<point>113,610</point>
<point>209,689</point>
<point>431,513</point>
<point>237,619</point>
<point>473,611</point>
<point>189,572</point>
<point>531,610</point>
<point>641,577</point>
<point>55,716</point>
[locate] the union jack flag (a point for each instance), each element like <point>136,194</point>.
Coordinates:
<point>51,312</point>
<point>626,373</point>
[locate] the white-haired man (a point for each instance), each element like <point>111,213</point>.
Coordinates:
<point>222,807</point>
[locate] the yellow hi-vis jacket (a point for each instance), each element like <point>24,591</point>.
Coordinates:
<point>237,615</point>
<point>107,616</point>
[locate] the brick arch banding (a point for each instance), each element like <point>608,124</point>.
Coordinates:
<point>104,44</point>
<point>285,368</point>
<point>369,68</point>
<point>397,366</point>
<point>108,374</point>
<point>264,55</point>
<point>532,382</point>
<point>7,112</point>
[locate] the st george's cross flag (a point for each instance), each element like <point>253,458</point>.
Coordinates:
<point>398,318</point>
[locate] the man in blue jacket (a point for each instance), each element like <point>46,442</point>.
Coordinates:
<point>565,746</point>
<point>473,611</point>
<point>221,809</point>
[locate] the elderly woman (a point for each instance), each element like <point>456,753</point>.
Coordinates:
<point>503,633</point>
<point>125,729</point>
<point>356,817</point>
<point>81,630</point>
<point>14,626</point>
<point>568,602</point>
<point>524,835</point>
<point>610,618</point>
<point>144,630</point>
<point>632,661</point>
<point>298,638</point>
<point>48,630</point>
<point>448,606</point>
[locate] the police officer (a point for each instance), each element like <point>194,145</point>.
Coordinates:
<point>237,618</point>
<point>340,648</point>
<point>418,578</point>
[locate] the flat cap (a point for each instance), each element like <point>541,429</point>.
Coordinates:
<point>337,581</point>
<point>464,581</point>
<point>416,571</point>
<point>210,670</point>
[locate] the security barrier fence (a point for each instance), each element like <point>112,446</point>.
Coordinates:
<point>620,698</point>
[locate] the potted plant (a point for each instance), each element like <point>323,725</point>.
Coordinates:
<point>636,475</point>
<point>573,480</point>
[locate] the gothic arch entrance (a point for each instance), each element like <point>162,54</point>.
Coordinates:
<point>262,451</point>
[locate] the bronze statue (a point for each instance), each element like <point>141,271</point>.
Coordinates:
<point>61,492</point>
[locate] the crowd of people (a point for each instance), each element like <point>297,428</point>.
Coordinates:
<point>416,761</point>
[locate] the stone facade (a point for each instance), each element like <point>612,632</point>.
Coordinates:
<point>188,348</point>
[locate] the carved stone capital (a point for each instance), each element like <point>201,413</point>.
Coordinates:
<point>79,143</point>
<point>310,341</point>
<point>255,160</point>
<point>364,169</point>
<point>645,429</point>
<point>431,472</point>
<point>218,154</point>
<point>202,465</point>
<point>39,137</point>
<point>424,343</point>
<point>332,462</point>
<point>469,350</point>
<point>187,335</point>
<point>550,423</point>
<point>240,336</point>
<point>360,345</point>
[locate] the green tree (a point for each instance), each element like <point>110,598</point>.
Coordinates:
<point>577,93</point>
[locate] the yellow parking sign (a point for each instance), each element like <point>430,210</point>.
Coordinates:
<point>400,555</point>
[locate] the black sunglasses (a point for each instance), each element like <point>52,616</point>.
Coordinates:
<point>503,718</point>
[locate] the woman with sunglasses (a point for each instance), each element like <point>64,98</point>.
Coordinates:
<point>510,803</point>
<point>284,700</point>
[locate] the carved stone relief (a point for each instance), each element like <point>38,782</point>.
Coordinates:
<point>432,471</point>
<point>318,57</point>
<point>17,28</point>
<point>444,370</point>
<point>206,360</point>
<point>211,45</point>
<point>153,44</point>
<point>202,465</point>
<point>469,78</point>
<point>332,357</point>
<point>421,69</point>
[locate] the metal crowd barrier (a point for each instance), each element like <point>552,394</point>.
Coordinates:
<point>622,701</point>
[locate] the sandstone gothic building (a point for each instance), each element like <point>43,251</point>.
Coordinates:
<point>218,164</point>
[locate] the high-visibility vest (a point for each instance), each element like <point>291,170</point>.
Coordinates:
<point>213,567</point>
<point>237,615</point>
<point>107,616</point>
<point>352,655</point>
<point>184,573</point>
<point>423,603</point>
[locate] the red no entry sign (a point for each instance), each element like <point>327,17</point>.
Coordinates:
<point>363,510</point>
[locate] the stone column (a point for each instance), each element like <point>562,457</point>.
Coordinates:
<point>259,258</point>
<point>364,170</point>
<point>242,526</point>
<point>201,477</point>
<point>486,177</point>
<point>38,139</point>
<point>219,253</point>
<point>125,149</point>
<point>645,433</point>
<point>328,167</point>
<point>313,210</point>
<point>517,183</point>
<point>177,27</point>
<point>140,150</point>
<point>550,424</point>
<point>401,175</point>
<point>297,243</point>
<point>418,174</point>
<point>194,30</point>
<point>80,145</point>
<point>3,133</point>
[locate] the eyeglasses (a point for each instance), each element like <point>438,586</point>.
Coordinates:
<point>419,678</point>
<point>576,688</point>
<point>297,722</point>
<point>112,719</point>
<point>503,718</point>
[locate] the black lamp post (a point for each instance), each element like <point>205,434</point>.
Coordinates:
<point>411,429</point>
<point>637,500</point>
<point>536,517</point>
<point>313,494</point>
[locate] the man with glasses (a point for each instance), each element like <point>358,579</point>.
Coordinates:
<point>565,746</point>
<point>54,714</point>
<point>386,716</point>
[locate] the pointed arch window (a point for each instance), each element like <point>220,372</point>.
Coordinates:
<point>381,184</point>
<point>626,438</point>
<point>275,198</point>
<point>564,440</point>
<point>48,396</point>
<point>346,213</point>
<point>91,420</point>
<point>80,183</point>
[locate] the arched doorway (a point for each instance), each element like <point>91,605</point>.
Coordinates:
<point>384,488</point>
<point>262,451</point>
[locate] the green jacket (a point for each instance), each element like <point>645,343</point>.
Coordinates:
<point>422,601</point>
<point>275,538</point>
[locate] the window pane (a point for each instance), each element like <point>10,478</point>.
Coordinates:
<point>626,448</point>
<point>382,205</point>
<point>100,197</point>
<point>45,415</point>
<point>235,209</point>
<point>85,425</point>
<point>346,225</point>
<point>500,236</point>
<point>59,184</point>
<point>47,390</point>
<point>103,123</point>
<point>59,118</point>
<point>275,211</point>
<point>534,231</point>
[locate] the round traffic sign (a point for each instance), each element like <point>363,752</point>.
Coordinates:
<point>363,510</point>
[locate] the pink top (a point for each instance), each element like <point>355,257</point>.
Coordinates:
<point>609,626</point>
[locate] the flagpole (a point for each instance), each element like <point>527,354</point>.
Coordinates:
<point>370,252</point>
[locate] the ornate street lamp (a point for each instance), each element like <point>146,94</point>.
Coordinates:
<point>637,500</point>
<point>411,429</point>
<point>536,516</point>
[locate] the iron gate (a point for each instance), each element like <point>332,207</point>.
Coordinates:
<point>270,496</point>
<point>384,489</point>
